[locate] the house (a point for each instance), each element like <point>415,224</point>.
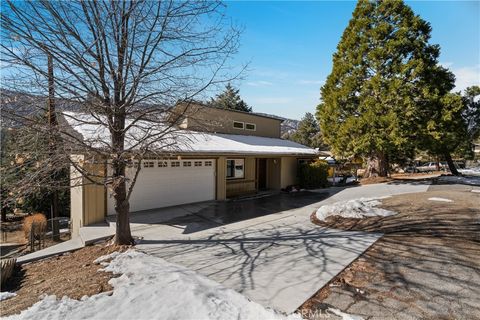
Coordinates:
<point>218,154</point>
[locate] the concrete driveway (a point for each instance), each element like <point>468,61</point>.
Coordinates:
<point>275,256</point>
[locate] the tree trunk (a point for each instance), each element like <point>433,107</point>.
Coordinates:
<point>377,165</point>
<point>451,165</point>
<point>123,235</point>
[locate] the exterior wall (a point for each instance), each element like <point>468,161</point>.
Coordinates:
<point>76,196</point>
<point>274,173</point>
<point>201,118</point>
<point>87,199</point>
<point>221,178</point>
<point>245,185</point>
<point>288,174</point>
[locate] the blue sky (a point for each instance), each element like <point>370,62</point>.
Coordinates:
<point>289,47</point>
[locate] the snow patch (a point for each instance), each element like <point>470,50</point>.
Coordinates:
<point>440,199</point>
<point>356,208</point>
<point>468,180</point>
<point>470,171</point>
<point>345,316</point>
<point>152,288</point>
<point>7,295</point>
<point>476,190</point>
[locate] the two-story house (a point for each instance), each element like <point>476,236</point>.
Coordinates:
<point>226,154</point>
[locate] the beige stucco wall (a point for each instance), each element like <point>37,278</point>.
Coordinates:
<point>288,171</point>
<point>274,173</point>
<point>221,176</point>
<point>76,196</point>
<point>87,199</point>
<point>202,118</point>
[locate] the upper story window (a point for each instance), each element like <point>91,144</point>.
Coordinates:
<point>235,168</point>
<point>238,125</point>
<point>250,126</point>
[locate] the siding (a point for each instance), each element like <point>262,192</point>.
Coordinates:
<point>288,171</point>
<point>202,118</point>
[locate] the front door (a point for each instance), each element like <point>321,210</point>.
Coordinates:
<point>262,174</point>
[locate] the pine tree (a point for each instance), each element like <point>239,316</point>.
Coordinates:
<point>308,132</point>
<point>374,100</point>
<point>230,99</point>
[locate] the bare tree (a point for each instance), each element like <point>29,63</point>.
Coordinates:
<point>124,64</point>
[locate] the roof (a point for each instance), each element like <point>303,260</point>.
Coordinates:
<point>263,115</point>
<point>96,134</point>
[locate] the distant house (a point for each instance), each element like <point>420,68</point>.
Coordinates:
<point>219,154</point>
<point>476,149</point>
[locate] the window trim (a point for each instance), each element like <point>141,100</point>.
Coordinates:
<point>243,125</point>
<point>252,124</point>
<point>235,178</point>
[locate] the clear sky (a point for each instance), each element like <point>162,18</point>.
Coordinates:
<point>289,47</point>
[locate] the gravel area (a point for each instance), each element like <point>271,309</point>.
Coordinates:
<point>426,266</point>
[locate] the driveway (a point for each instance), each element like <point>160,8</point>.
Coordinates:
<point>266,249</point>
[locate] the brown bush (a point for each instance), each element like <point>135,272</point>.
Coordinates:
<point>40,222</point>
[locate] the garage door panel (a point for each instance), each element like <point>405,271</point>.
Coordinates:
<point>158,187</point>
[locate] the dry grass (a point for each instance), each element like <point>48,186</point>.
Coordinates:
<point>37,219</point>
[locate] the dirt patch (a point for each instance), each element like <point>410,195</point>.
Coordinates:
<point>73,275</point>
<point>426,265</point>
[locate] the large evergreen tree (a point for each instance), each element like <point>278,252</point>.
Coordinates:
<point>308,132</point>
<point>382,81</point>
<point>230,99</point>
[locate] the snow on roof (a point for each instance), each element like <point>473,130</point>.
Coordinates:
<point>159,137</point>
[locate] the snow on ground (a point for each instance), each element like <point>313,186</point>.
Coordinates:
<point>343,315</point>
<point>357,208</point>
<point>469,180</point>
<point>476,190</point>
<point>7,295</point>
<point>152,288</point>
<point>440,199</point>
<point>470,171</point>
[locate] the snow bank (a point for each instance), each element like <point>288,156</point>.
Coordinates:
<point>357,208</point>
<point>470,171</point>
<point>343,315</point>
<point>440,199</point>
<point>469,180</point>
<point>152,288</point>
<point>7,295</point>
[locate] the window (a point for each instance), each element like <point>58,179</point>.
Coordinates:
<point>208,163</point>
<point>235,168</point>
<point>148,164</point>
<point>187,163</point>
<point>198,163</point>
<point>162,164</point>
<point>238,124</point>
<point>175,164</point>
<point>250,126</point>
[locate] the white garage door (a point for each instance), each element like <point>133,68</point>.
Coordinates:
<point>169,183</point>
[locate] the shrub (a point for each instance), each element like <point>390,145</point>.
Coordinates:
<point>40,222</point>
<point>313,175</point>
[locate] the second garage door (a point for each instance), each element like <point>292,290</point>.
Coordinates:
<point>169,183</point>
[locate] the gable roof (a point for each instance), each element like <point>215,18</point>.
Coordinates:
<point>96,134</point>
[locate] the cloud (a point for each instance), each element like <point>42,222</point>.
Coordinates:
<point>466,77</point>
<point>259,83</point>
<point>315,82</point>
